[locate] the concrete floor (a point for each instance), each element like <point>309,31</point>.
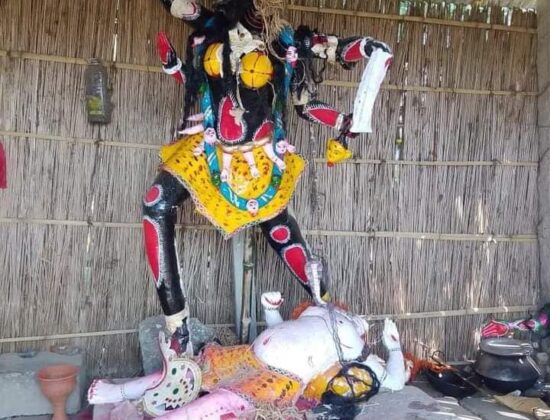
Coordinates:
<point>418,402</point>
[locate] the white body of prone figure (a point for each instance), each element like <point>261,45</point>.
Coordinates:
<point>238,377</point>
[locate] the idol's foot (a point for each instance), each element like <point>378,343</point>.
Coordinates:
<point>280,163</point>
<point>254,172</point>
<point>179,341</point>
<point>224,175</point>
<point>103,391</point>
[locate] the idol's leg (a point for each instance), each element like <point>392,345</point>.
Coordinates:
<point>159,217</point>
<point>284,236</point>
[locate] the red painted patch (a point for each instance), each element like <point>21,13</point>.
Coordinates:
<point>164,47</point>
<point>327,116</point>
<point>354,52</point>
<point>319,39</point>
<point>151,236</point>
<point>152,195</point>
<point>265,130</point>
<point>165,51</point>
<point>231,128</point>
<point>280,234</point>
<point>296,258</point>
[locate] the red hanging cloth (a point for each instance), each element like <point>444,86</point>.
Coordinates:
<point>3,168</point>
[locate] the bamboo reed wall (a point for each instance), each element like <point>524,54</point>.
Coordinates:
<point>450,227</point>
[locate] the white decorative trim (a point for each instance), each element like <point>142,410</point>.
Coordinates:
<point>279,227</point>
<point>174,69</point>
<point>352,44</point>
<point>264,122</point>
<point>161,272</point>
<point>242,122</point>
<point>320,106</point>
<point>283,255</point>
<point>156,200</point>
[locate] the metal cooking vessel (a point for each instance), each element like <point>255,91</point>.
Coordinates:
<point>505,364</point>
<point>450,383</point>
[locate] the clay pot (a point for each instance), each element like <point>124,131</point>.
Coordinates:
<point>57,382</point>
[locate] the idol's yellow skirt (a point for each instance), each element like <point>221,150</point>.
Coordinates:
<point>194,173</point>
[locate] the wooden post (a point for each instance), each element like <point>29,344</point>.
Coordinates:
<point>543,70</point>
<point>237,246</point>
<point>248,317</point>
<point>244,276</point>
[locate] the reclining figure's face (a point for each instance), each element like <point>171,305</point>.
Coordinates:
<point>233,10</point>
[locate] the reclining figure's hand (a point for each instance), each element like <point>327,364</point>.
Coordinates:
<point>271,302</point>
<point>390,336</point>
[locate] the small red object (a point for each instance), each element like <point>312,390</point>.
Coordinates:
<point>495,329</point>
<point>3,168</point>
<point>164,47</point>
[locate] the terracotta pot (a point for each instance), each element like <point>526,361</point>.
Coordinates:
<point>57,382</point>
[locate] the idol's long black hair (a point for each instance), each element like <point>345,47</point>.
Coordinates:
<point>226,16</point>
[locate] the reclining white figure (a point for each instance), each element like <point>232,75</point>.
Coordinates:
<point>302,349</point>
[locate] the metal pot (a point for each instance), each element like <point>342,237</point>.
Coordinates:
<point>450,383</point>
<point>505,365</point>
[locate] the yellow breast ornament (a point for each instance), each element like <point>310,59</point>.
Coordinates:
<point>213,60</point>
<point>256,69</point>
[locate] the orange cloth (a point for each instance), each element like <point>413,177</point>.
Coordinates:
<point>318,385</point>
<point>238,370</point>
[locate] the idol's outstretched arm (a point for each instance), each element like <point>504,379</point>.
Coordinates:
<point>346,52</point>
<point>318,112</point>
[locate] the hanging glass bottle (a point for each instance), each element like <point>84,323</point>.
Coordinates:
<point>98,105</point>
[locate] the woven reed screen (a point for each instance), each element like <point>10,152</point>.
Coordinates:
<point>400,236</point>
